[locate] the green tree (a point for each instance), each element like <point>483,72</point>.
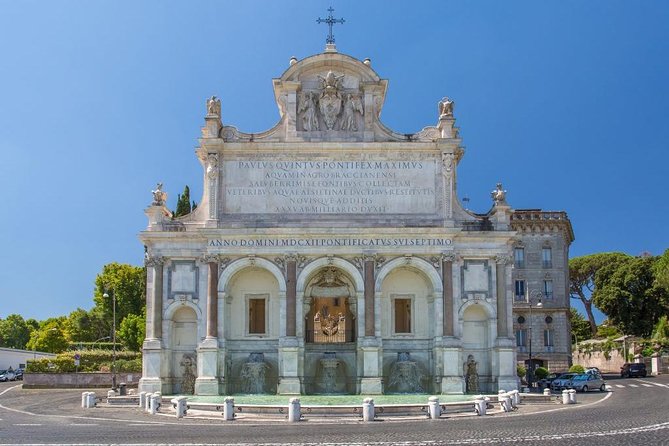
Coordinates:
<point>183,203</point>
<point>128,284</point>
<point>132,331</point>
<point>582,274</point>
<point>49,338</point>
<point>630,296</point>
<point>85,326</point>
<point>14,332</point>
<point>661,269</point>
<point>580,328</point>
<point>32,324</point>
<point>661,330</point>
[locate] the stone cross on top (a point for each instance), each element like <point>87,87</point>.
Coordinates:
<point>330,20</point>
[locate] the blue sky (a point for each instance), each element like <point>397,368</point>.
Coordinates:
<point>565,102</point>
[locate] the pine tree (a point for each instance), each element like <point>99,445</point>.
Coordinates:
<point>183,203</point>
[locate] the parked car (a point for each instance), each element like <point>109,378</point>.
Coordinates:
<point>633,370</point>
<point>7,375</point>
<point>587,381</point>
<point>548,380</point>
<point>562,381</point>
<point>18,374</point>
<point>593,371</point>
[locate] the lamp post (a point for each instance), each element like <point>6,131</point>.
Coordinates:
<point>106,296</point>
<point>534,295</point>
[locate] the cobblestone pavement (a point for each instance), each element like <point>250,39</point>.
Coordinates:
<point>636,412</point>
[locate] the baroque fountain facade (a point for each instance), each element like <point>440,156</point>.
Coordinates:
<point>332,255</point>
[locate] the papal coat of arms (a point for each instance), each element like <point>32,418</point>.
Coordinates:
<point>330,100</point>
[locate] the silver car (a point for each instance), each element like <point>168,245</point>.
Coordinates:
<point>562,381</point>
<point>587,381</point>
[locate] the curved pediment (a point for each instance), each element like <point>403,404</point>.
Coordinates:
<point>330,97</point>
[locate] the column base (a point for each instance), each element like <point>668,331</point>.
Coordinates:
<point>207,386</point>
<point>289,386</point>
<point>507,383</point>
<point>452,385</point>
<point>371,386</point>
<point>150,385</point>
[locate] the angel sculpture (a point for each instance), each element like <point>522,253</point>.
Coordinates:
<point>352,106</point>
<point>308,110</point>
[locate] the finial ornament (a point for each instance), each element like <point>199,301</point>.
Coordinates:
<point>159,197</point>
<point>330,20</point>
<point>214,106</point>
<point>446,107</point>
<point>499,195</point>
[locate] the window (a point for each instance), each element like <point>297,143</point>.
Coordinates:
<point>257,315</point>
<point>547,257</point>
<point>548,289</point>
<point>402,309</point>
<point>520,290</point>
<point>521,337</point>
<point>519,257</point>
<point>548,338</point>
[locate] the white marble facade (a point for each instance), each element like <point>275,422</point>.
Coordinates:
<point>329,254</point>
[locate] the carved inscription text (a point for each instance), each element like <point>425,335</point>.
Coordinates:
<point>330,187</point>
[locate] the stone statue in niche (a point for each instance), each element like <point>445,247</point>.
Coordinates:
<point>189,374</point>
<point>471,375</point>
<point>159,197</point>
<point>308,110</point>
<point>499,195</point>
<point>214,106</point>
<point>446,107</point>
<point>330,100</point>
<point>352,107</point>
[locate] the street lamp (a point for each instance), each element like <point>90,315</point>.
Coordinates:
<point>534,295</point>
<point>106,296</point>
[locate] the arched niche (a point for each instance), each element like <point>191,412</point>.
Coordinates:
<point>329,306</point>
<point>406,304</point>
<point>415,263</point>
<point>252,304</point>
<point>246,262</point>
<point>183,341</point>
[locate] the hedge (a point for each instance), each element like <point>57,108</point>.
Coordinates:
<point>90,361</point>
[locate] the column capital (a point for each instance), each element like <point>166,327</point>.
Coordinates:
<point>360,261</point>
<point>299,259</point>
<point>154,260</point>
<point>503,259</point>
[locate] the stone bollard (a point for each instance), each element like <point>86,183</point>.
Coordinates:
<point>229,409</point>
<point>111,393</point>
<point>504,401</point>
<point>434,407</point>
<point>547,392</point>
<point>84,399</point>
<point>154,403</point>
<point>565,397</point>
<point>515,398</point>
<point>480,405</point>
<point>142,399</point>
<point>91,400</point>
<point>368,409</point>
<point>294,412</point>
<point>147,401</point>
<point>180,406</point>
<point>572,396</point>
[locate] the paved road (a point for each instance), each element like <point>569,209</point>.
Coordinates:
<point>635,413</point>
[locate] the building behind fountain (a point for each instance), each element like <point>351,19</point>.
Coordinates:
<point>331,254</point>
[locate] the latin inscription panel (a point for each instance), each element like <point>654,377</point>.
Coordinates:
<point>329,187</point>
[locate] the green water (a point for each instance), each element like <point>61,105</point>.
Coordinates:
<point>329,400</point>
